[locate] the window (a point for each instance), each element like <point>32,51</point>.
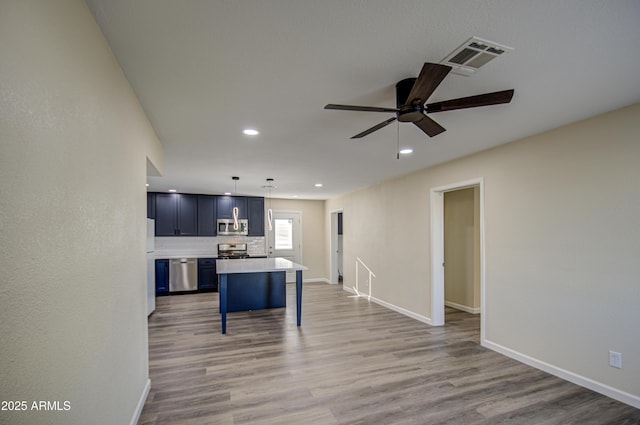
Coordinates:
<point>283,231</point>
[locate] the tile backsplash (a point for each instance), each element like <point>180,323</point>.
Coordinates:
<point>256,245</point>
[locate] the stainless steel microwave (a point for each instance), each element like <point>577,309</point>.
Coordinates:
<point>225,226</point>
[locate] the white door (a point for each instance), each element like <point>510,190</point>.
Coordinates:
<point>283,239</point>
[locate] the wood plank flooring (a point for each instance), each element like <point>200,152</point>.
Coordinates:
<point>351,362</point>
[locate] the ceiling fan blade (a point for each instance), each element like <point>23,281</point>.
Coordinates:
<point>359,108</point>
<point>487,99</point>
<point>429,126</point>
<point>429,79</point>
<point>374,128</point>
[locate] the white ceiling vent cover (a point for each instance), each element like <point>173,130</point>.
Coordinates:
<point>472,54</point>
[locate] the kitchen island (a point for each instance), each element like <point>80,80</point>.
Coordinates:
<point>256,283</point>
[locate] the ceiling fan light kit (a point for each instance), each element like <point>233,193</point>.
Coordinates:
<point>411,95</point>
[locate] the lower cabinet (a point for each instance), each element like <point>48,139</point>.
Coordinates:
<point>207,277</point>
<point>162,277</point>
<point>256,291</point>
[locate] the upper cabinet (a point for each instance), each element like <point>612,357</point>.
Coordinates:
<point>226,204</point>
<point>207,215</point>
<point>256,216</point>
<point>151,205</point>
<point>176,214</point>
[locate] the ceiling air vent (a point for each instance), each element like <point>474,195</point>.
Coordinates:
<point>473,54</point>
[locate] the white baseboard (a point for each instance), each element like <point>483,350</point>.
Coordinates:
<point>316,279</point>
<point>401,310</point>
<point>457,306</point>
<point>140,406</point>
<point>596,386</point>
<point>393,307</point>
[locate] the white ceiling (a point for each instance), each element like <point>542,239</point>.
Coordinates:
<point>204,70</point>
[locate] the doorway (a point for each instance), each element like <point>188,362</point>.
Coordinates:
<point>284,239</point>
<point>462,250</point>
<point>438,250</point>
<point>336,258</point>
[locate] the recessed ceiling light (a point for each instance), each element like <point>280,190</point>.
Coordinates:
<point>250,132</point>
<point>172,190</point>
<point>147,184</point>
<point>406,151</point>
<point>227,193</point>
<point>318,185</point>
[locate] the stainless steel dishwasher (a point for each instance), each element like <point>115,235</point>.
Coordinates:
<point>183,275</point>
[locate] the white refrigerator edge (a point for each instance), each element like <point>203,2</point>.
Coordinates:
<point>151,267</point>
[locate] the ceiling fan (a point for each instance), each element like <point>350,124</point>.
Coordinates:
<point>411,95</point>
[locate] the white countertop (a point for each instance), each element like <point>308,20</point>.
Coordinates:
<point>257,265</point>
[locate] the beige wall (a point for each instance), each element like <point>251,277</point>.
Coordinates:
<point>461,249</point>
<point>73,148</point>
<point>313,233</point>
<point>561,242</point>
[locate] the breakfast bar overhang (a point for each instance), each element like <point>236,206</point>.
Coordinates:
<point>246,277</point>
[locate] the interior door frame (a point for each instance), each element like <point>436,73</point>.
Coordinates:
<point>333,246</point>
<point>437,250</point>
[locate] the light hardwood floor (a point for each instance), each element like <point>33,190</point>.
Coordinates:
<point>351,362</point>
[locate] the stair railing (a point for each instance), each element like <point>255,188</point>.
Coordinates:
<point>360,263</point>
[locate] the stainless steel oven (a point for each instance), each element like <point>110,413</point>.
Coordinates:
<point>228,251</point>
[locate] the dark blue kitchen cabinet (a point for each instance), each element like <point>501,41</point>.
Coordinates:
<point>166,214</point>
<point>176,214</point>
<point>255,208</point>
<point>162,277</point>
<point>226,204</point>
<point>339,223</point>
<point>207,277</point>
<point>151,205</point>
<point>256,291</point>
<point>224,207</point>
<point>206,215</point>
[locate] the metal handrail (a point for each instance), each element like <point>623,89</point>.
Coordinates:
<point>371,274</point>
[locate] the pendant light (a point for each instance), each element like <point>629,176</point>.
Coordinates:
<point>235,209</point>
<point>269,186</point>
<point>235,218</point>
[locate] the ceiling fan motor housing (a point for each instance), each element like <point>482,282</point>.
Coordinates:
<point>407,113</point>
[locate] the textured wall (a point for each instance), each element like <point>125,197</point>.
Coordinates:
<point>73,149</point>
<point>561,244</point>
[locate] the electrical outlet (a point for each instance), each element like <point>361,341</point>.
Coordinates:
<point>615,359</point>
